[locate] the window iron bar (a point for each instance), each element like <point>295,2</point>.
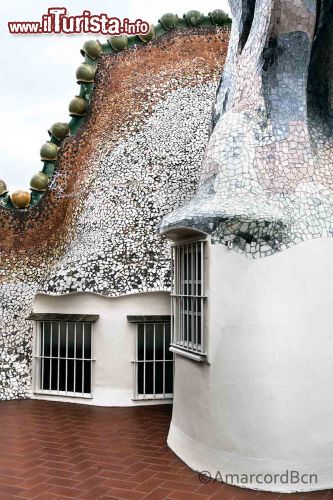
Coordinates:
<point>158,361</point>
<point>188,296</point>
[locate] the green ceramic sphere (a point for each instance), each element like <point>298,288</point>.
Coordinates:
<point>3,188</point>
<point>148,36</point>
<point>218,17</point>
<point>118,42</point>
<point>92,49</point>
<point>78,106</point>
<point>48,151</point>
<point>85,73</point>
<point>39,182</point>
<point>193,17</point>
<point>169,21</point>
<point>20,199</point>
<point>59,130</point>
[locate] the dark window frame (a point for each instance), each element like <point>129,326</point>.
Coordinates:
<point>148,360</point>
<point>188,298</point>
<point>64,358</point>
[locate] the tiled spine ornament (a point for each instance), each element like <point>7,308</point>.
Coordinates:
<point>266,181</point>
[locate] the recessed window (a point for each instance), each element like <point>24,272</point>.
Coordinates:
<point>188,297</point>
<point>153,363</point>
<point>64,358</point>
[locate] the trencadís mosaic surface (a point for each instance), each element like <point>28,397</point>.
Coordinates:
<point>266,180</point>
<point>131,154</point>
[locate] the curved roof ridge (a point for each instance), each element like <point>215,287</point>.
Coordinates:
<point>78,106</point>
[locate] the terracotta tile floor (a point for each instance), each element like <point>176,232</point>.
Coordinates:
<point>54,450</point>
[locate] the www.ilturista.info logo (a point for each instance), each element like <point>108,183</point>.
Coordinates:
<point>57,21</point>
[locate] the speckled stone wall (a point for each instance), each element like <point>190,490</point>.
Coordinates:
<point>136,157</point>
<point>267,177</point>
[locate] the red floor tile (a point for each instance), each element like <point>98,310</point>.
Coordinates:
<point>159,494</point>
<point>149,485</point>
<point>179,495</point>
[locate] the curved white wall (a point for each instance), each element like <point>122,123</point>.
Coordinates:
<point>113,343</point>
<point>264,403</point>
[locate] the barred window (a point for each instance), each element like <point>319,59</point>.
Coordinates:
<point>188,297</point>
<point>64,358</point>
<point>153,363</point>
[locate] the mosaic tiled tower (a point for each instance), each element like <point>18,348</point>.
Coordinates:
<point>258,406</point>
<point>266,180</point>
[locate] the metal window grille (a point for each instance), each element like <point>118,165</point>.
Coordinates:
<point>188,296</point>
<point>153,362</point>
<point>64,358</point>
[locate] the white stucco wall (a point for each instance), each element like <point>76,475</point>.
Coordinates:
<point>263,403</point>
<point>113,340</point>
